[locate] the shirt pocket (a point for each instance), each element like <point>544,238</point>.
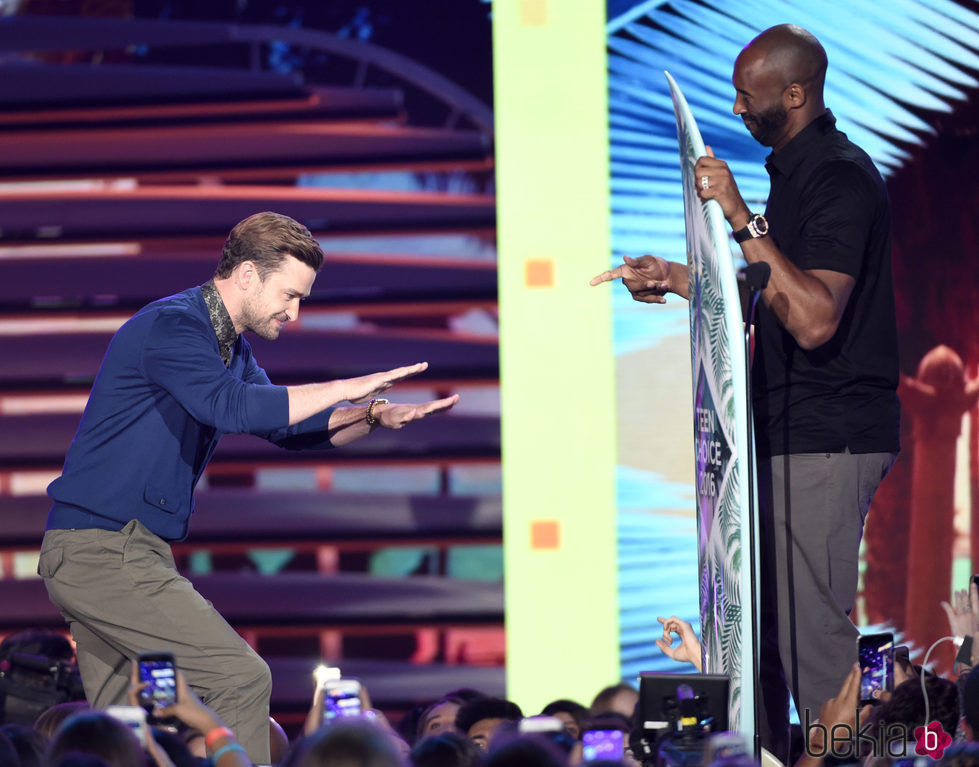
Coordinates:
<point>154,496</point>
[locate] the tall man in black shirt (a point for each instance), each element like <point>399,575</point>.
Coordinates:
<point>825,371</point>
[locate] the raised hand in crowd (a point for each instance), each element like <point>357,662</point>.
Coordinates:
<point>189,709</point>
<point>689,648</point>
<point>963,617</point>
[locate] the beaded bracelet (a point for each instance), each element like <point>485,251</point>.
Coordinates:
<point>224,750</point>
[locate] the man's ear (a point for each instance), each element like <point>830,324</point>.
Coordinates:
<point>245,275</point>
<point>794,97</point>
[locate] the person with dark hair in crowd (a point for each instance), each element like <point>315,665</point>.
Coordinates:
<point>77,759</point>
<point>620,698</point>
<point>176,377</point>
<point>8,754</point>
<point>906,705</point>
<point>479,718</point>
<point>353,742</point>
<point>969,700</point>
<point>446,749</point>
<point>97,733</point>
<point>569,712</point>
<point>526,751</point>
<point>51,719</point>
<point>825,370</point>
<point>29,744</point>
<point>440,716</point>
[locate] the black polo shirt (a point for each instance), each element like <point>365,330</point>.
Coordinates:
<point>828,209</point>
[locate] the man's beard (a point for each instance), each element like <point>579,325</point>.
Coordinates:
<point>766,127</point>
<point>264,326</point>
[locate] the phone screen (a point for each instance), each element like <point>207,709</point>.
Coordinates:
<point>342,698</point>
<point>602,744</point>
<point>876,655</point>
<point>158,671</point>
<point>133,717</point>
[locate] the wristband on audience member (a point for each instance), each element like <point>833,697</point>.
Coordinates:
<point>371,419</point>
<point>215,735</point>
<point>965,652</point>
<point>224,750</point>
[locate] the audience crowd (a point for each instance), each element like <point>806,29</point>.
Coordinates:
<point>465,728</point>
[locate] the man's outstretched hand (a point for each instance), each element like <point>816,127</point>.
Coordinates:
<point>396,416</point>
<point>364,388</point>
<point>647,278</point>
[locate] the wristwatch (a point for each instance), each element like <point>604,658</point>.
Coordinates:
<point>757,227</point>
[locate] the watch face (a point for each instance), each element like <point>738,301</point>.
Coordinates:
<point>760,225</point>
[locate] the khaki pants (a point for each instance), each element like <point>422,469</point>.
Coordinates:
<point>122,595</point>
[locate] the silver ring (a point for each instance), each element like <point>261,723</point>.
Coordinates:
<point>705,182</point>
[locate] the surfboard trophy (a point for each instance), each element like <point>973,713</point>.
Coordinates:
<point>725,477</point>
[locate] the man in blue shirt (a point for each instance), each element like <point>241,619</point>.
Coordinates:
<point>177,376</point>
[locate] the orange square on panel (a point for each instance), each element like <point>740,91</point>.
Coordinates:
<point>533,13</point>
<point>539,273</point>
<point>545,534</point>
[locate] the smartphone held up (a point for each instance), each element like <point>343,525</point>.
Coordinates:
<point>158,671</point>
<point>341,695</point>
<point>875,653</point>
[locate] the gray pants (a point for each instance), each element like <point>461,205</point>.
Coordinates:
<point>812,509</point>
<point>121,595</point>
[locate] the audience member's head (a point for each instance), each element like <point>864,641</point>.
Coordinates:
<point>610,720</point>
<point>96,733</point>
<point>970,705</point>
<point>620,698</point>
<point>353,743</point>
<point>29,744</point>
<point>439,717</point>
<point>49,721</point>
<point>446,749</point>
<point>906,706</point>
<point>77,759</point>
<point>571,714</point>
<point>479,718</point>
<point>8,754</point>
<point>526,751</point>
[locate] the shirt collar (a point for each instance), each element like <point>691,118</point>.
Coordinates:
<point>788,158</point>
<point>224,328</point>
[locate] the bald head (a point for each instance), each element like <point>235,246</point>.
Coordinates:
<point>794,53</point>
<point>779,80</point>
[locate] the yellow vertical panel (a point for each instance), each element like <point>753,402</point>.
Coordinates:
<point>556,358</point>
